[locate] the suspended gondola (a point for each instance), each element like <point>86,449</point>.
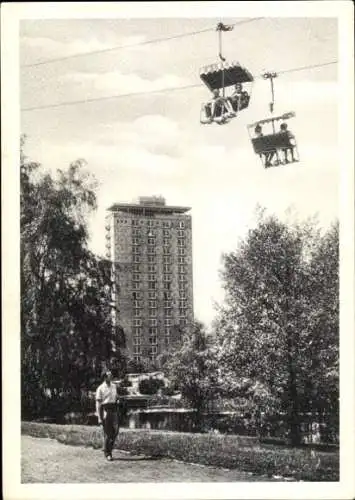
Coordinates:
<point>219,77</point>
<point>276,147</point>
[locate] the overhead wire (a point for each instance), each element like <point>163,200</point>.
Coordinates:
<point>157,91</point>
<point>132,45</point>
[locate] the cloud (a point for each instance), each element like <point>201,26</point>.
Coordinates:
<point>117,82</point>
<point>45,47</point>
<point>155,133</point>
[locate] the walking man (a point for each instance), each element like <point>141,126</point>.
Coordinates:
<point>107,412</point>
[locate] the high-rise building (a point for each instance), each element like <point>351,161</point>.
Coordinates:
<point>150,246</point>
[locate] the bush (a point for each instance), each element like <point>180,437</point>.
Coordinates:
<point>232,452</point>
<point>150,385</point>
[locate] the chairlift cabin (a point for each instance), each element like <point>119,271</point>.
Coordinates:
<point>276,146</point>
<point>219,77</point>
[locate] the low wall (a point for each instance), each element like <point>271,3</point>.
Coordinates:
<point>182,420</point>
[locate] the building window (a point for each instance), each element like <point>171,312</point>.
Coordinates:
<point>152,277</point>
<point>137,303</point>
<point>136,295</point>
<point>168,312</point>
<point>137,331</point>
<point>137,313</point>
<point>182,294</point>
<point>151,258</point>
<point>183,304</point>
<point>153,349</point>
<point>167,295</point>
<point>151,250</point>
<point>137,341</point>
<point>182,312</point>
<point>167,303</point>
<point>135,250</point>
<point>166,241</point>
<point>166,250</point>
<point>152,313</point>
<point>136,277</point>
<point>182,269</point>
<point>167,277</point>
<point>137,359</point>
<point>167,285</point>
<point>181,224</point>
<point>166,233</point>
<point>183,322</point>
<point>152,303</point>
<point>136,258</point>
<point>136,350</point>
<point>182,286</point>
<point>136,285</point>
<point>152,295</point>
<point>167,322</point>
<point>152,331</point>
<point>152,269</point>
<point>167,331</point>
<point>153,322</point>
<point>150,223</point>
<point>166,223</point>
<point>182,277</point>
<point>151,241</point>
<point>153,340</point>
<point>167,340</point>
<point>182,260</point>
<point>152,285</point>
<point>167,259</point>
<point>134,222</point>
<point>181,233</point>
<point>136,268</point>
<point>135,241</point>
<point>181,251</point>
<point>181,242</point>
<point>137,322</point>
<point>167,268</point>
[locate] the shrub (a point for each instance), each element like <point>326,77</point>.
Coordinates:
<point>150,385</point>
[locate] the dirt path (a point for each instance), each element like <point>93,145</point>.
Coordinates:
<point>47,461</point>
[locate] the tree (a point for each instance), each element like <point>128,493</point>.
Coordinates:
<point>322,380</point>
<point>66,328</point>
<point>192,369</point>
<point>263,329</point>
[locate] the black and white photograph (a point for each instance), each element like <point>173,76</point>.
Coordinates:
<point>178,289</point>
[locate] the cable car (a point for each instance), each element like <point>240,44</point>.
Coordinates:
<point>217,77</point>
<point>276,147</point>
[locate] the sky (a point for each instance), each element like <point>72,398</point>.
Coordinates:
<point>154,144</point>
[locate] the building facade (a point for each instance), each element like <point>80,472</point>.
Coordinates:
<point>150,246</point>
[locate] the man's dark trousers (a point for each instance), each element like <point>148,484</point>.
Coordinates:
<point>110,427</point>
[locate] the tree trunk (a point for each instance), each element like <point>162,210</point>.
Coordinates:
<point>293,403</point>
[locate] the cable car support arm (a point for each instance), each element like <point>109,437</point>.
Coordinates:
<point>222,27</point>
<point>271,76</point>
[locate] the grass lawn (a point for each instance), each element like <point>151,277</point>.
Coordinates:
<point>231,452</point>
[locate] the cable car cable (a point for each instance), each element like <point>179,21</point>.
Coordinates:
<point>138,44</point>
<point>171,89</point>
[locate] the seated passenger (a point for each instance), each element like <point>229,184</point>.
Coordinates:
<point>240,98</point>
<point>218,108</point>
<point>268,155</point>
<point>283,130</point>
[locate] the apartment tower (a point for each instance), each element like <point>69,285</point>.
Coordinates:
<point>150,246</point>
